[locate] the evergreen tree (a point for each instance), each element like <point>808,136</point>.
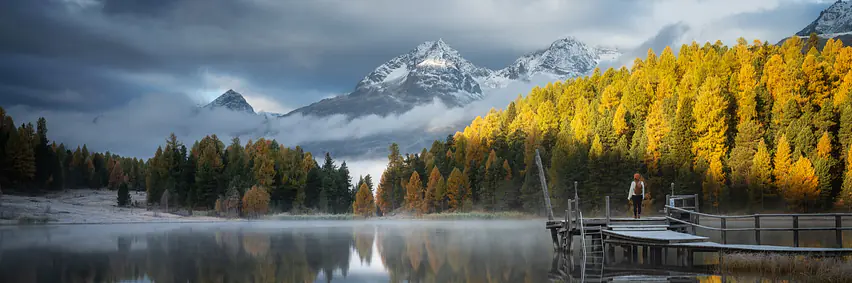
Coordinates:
<point>20,157</point>
<point>43,156</point>
<point>455,189</point>
<point>413,198</point>
<point>123,194</point>
<point>364,204</point>
<point>760,176</point>
<point>343,193</point>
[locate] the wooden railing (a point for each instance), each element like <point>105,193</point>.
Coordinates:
<point>694,215</point>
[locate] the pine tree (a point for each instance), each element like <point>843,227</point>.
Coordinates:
<point>742,155</point>
<point>782,163</point>
<point>813,41</point>
<point>710,146</point>
<point>43,155</point>
<point>116,177</point>
<point>383,202</point>
<point>845,196</point>
<point>802,188</point>
<point>123,194</point>
<point>455,190</point>
<point>760,176</point>
<point>364,204</point>
<point>20,156</point>
<point>431,200</point>
<point>208,178</point>
<point>412,194</point>
<point>343,193</point>
<point>264,164</point>
<point>824,163</point>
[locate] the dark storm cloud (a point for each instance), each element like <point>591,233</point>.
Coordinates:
<point>286,47</point>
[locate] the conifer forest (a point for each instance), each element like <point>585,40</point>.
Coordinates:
<point>747,127</point>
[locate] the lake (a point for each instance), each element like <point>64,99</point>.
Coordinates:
<point>294,251</point>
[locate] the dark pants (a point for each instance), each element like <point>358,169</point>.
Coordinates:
<point>637,205</point>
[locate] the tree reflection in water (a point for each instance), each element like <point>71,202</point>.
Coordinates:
<point>242,253</point>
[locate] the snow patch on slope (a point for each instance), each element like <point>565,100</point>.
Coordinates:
<point>837,18</point>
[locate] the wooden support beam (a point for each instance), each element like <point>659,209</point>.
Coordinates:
<point>543,186</point>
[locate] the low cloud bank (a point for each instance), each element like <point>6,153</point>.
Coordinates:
<point>137,128</point>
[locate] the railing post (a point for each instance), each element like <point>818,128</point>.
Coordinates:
<point>697,218</point>
<point>673,190</point>
<point>576,194</point>
<point>724,230</point>
<point>607,211</point>
<point>569,217</point>
<point>696,204</point>
<point>757,229</point>
<point>795,230</point>
<point>837,232</point>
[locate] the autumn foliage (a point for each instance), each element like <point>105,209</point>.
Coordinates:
<point>255,201</point>
<point>364,204</point>
<point>744,126</point>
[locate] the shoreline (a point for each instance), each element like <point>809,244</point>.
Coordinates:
<point>86,206</point>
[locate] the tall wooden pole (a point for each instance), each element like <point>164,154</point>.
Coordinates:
<point>543,186</point>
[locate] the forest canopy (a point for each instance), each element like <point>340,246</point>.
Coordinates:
<point>747,127</point>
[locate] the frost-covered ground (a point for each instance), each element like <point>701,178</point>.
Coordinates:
<point>83,206</point>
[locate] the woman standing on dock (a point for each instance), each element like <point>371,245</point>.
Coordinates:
<point>636,194</point>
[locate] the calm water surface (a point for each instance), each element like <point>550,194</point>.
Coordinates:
<point>326,251</point>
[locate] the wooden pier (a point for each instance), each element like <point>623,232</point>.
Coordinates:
<point>655,237</point>
<point>677,230</point>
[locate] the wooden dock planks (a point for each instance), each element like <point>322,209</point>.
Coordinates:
<point>657,237</point>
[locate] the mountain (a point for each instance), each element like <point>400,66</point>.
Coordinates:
<point>564,58</point>
<point>833,22</point>
<point>836,19</point>
<point>231,100</point>
<point>433,70</point>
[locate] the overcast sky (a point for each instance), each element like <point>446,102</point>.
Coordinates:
<point>94,55</point>
<point>120,75</point>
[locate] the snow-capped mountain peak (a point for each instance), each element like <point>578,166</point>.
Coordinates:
<point>231,100</point>
<point>435,71</point>
<point>836,19</point>
<point>564,58</point>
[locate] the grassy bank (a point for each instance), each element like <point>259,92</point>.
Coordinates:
<point>307,217</point>
<point>804,268</point>
<point>436,216</point>
<point>477,216</point>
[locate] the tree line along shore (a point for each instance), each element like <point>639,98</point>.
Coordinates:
<point>752,126</point>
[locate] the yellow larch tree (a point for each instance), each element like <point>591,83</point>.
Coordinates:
<point>802,187</point>
<point>782,162</point>
<point>412,192</point>
<point>710,122</point>
<point>364,204</point>
<point>455,189</point>
<point>430,201</point>
<point>656,128</point>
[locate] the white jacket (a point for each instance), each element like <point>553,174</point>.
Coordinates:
<point>633,186</point>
